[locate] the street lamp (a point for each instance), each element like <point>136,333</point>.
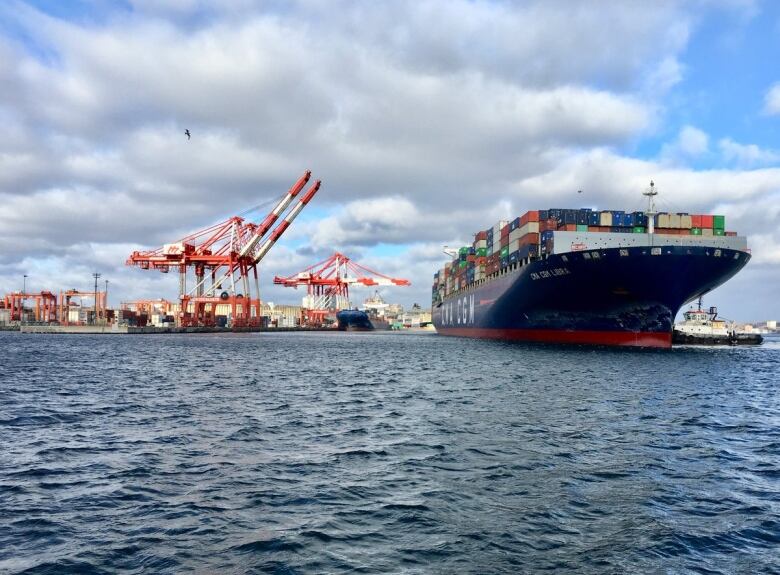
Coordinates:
<point>105,303</point>
<point>24,299</point>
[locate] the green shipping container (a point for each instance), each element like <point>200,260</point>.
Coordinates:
<point>717,232</point>
<point>482,252</point>
<point>719,223</point>
<point>695,231</point>
<point>505,252</point>
<point>582,228</point>
<point>463,251</point>
<point>463,264</point>
<point>639,229</point>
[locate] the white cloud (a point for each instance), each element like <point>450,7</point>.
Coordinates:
<point>772,100</point>
<point>747,155</point>
<point>691,143</point>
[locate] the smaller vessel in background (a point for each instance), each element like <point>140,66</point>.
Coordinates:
<point>353,320</point>
<point>376,309</point>
<point>704,327</point>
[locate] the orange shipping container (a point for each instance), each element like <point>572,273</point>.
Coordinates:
<point>696,221</point>
<point>706,222</point>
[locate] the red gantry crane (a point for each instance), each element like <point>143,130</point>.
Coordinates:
<point>328,282</point>
<point>222,259</point>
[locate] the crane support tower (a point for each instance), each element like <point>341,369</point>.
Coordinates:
<point>327,283</point>
<point>223,258</point>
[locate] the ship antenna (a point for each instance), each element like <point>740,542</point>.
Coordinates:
<point>651,193</point>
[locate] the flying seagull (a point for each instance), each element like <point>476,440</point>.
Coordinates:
<point>579,191</point>
<point>188,133</point>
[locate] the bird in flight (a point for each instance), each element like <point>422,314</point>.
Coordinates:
<point>188,133</point>
<point>578,191</point>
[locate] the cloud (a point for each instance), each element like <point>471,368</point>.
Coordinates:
<point>426,120</point>
<point>691,143</point>
<point>747,155</point>
<point>772,100</point>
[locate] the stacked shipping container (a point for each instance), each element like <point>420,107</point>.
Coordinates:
<point>527,237</point>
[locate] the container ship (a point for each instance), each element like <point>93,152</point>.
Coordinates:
<point>585,276</point>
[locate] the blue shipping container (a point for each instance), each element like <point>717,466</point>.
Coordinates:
<point>594,219</point>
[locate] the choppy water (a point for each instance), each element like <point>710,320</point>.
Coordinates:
<point>383,453</point>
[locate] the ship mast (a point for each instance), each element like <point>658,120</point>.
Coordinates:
<point>651,194</point>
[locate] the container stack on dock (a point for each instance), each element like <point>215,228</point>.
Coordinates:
<point>530,236</point>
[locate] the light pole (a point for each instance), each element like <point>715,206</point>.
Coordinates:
<point>24,299</point>
<point>105,303</point>
<point>96,276</point>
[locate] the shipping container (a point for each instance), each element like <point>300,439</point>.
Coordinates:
<point>719,222</point>
<point>605,219</point>
<point>543,215</point>
<point>696,231</point>
<point>686,221</point>
<point>582,227</point>
<point>718,232</point>
<point>706,231</point>
<point>662,221</point>
<point>529,228</point>
<point>706,222</point>
<point>731,234</point>
<point>639,229</point>
<point>529,239</point>
<point>696,221</point>
<point>674,221</point>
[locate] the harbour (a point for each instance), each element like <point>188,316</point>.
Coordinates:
<point>406,288</point>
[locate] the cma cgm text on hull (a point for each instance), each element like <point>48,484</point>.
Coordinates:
<point>612,279</point>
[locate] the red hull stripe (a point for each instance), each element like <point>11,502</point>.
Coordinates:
<point>620,338</point>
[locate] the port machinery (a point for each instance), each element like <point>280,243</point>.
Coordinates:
<point>50,308</point>
<point>224,257</point>
<point>327,283</point>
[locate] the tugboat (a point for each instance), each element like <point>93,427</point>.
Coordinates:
<point>702,327</point>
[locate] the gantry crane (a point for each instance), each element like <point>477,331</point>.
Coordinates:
<point>45,305</point>
<point>222,258</point>
<point>328,282</point>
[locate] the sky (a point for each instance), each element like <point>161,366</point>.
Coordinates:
<point>426,121</point>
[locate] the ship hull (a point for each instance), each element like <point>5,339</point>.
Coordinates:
<point>353,320</point>
<point>619,297</point>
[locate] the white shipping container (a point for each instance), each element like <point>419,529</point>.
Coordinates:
<point>706,232</point>
<point>515,235</point>
<point>480,244</point>
<point>605,219</point>
<point>674,221</point>
<point>686,222</point>
<point>663,221</point>
<point>514,246</point>
<point>529,228</point>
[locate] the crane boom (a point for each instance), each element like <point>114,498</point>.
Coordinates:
<point>274,215</point>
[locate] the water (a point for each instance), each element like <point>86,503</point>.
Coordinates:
<point>384,453</point>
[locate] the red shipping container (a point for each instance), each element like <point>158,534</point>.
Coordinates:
<point>523,219</point>
<point>505,241</point>
<point>696,221</point>
<point>569,227</point>
<point>706,222</point>
<point>532,238</point>
<point>470,258</point>
<point>481,261</point>
<point>731,233</point>
<point>480,236</point>
<point>504,232</point>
